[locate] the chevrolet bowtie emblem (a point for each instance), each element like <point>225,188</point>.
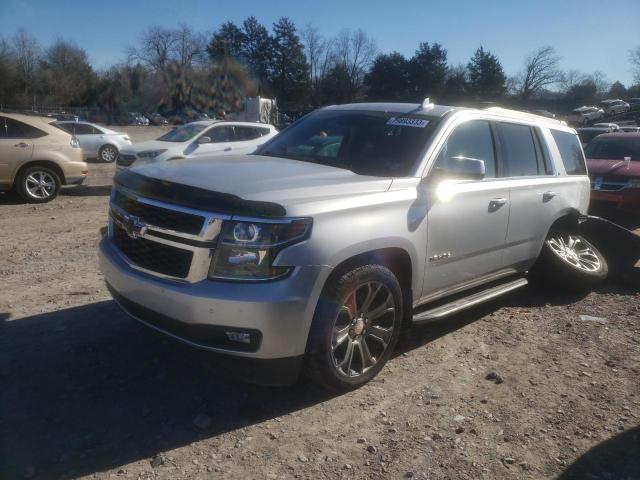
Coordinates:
<point>133,226</point>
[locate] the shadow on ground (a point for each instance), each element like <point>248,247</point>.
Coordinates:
<point>87,389</point>
<point>616,458</point>
<point>87,191</point>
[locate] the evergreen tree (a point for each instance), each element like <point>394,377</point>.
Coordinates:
<point>290,76</point>
<point>428,70</point>
<point>486,76</point>
<point>227,41</point>
<point>389,79</point>
<point>257,51</point>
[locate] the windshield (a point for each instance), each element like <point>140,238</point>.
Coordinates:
<point>368,143</point>
<point>183,133</point>
<point>614,148</point>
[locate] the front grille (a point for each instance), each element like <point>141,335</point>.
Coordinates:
<point>604,184</point>
<point>153,256</point>
<point>158,216</point>
<point>125,160</point>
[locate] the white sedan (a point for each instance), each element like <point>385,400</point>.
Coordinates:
<point>198,139</point>
<point>96,141</point>
<point>585,114</point>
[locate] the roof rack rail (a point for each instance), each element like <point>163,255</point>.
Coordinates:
<point>527,115</point>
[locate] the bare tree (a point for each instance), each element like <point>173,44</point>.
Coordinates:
<point>570,79</point>
<point>541,70</point>
<point>27,51</point>
<point>188,47</point>
<point>634,57</point>
<point>318,52</point>
<point>599,79</point>
<point>355,51</point>
<point>155,50</point>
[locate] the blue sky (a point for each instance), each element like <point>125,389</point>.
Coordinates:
<point>588,34</point>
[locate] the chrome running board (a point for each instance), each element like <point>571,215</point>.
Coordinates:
<point>468,301</point>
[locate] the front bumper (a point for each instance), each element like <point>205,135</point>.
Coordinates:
<point>279,313</point>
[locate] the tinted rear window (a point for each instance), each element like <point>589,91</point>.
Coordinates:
<point>10,128</point>
<point>518,150</point>
<point>613,148</point>
<point>570,152</point>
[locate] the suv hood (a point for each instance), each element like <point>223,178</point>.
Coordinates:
<point>264,179</point>
<point>613,168</point>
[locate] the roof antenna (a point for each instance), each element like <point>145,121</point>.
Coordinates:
<point>426,104</point>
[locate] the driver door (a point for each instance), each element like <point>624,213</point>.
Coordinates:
<point>222,141</point>
<point>467,219</point>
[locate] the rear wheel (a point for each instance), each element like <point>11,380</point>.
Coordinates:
<point>355,327</point>
<point>108,153</point>
<point>570,262</point>
<point>38,184</point>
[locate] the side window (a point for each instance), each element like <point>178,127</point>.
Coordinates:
<point>518,150</point>
<point>247,133</point>
<point>80,128</point>
<point>221,134</point>
<point>472,139</point>
<point>570,152</point>
<point>14,129</point>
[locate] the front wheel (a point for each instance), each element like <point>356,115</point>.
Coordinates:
<point>355,327</point>
<point>108,153</point>
<point>570,262</point>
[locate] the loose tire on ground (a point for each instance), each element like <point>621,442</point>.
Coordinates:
<point>108,153</point>
<point>359,312</point>
<point>38,184</point>
<point>569,262</point>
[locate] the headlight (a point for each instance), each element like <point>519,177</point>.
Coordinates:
<point>151,153</point>
<point>246,250</point>
<point>633,183</point>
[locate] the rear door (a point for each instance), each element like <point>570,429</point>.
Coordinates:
<point>534,190</point>
<point>248,139</point>
<point>16,147</point>
<point>467,220</point>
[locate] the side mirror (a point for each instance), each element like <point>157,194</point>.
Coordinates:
<point>202,140</point>
<point>465,168</point>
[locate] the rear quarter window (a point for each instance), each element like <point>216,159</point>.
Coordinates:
<point>570,152</point>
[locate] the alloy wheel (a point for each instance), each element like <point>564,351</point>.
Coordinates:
<point>363,329</point>
<point>108,154</point>
<point>40,185</point>
<point>575,252</point>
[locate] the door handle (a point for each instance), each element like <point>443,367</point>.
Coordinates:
<point>228,149</point>
<point>546,196</point>
<point>21,145</point>
<point>496,203</point>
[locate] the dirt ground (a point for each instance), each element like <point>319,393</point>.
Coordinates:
<point>522,388</point>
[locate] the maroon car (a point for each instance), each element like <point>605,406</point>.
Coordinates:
<point>613,160</point>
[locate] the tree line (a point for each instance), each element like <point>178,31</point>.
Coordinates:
<point>176,70</point>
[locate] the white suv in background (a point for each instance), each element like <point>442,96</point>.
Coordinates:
<point>199,139</point>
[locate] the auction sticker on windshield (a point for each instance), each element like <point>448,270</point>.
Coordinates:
<point>408,122</point>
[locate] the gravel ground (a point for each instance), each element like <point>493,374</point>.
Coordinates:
<point>520,388</point>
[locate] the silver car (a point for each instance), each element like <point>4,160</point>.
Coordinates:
<point>352,224</point>
<point>97,141</point>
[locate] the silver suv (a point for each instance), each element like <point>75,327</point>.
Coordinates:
<point>352,224</point>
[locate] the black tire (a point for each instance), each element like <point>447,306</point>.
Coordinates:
<point>321,359</point>
<point>26,184</point>
<point>108,153</point>
<point>565,273</point>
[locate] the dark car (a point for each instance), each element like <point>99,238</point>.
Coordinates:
<point>157,119</point>
<point>587,134</point>
<point>613,161</point>
<point>634,103</point>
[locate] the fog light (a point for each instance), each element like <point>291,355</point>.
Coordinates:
<point>240,337</point>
